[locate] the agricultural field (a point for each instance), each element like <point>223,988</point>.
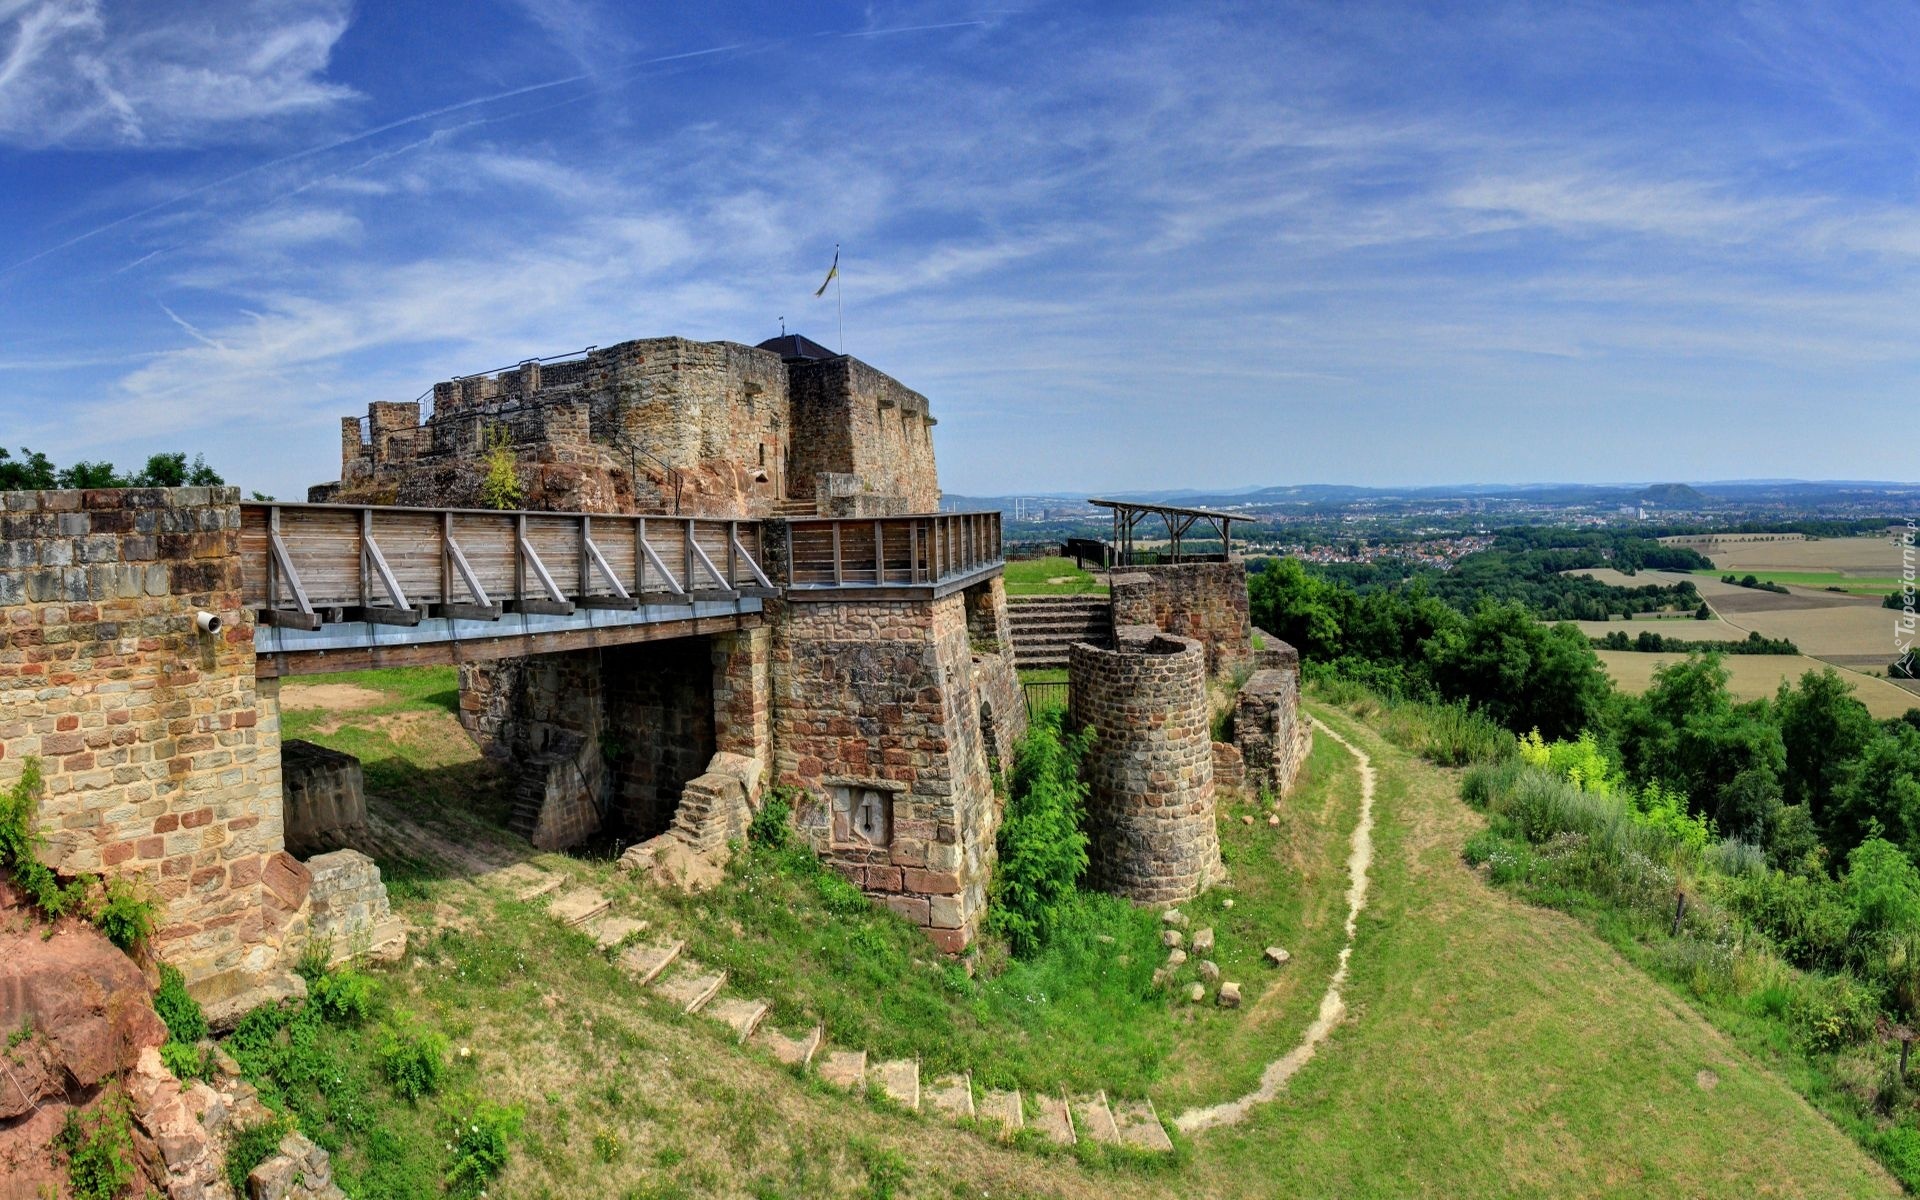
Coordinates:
<point>1871,557</point>
<point>1677,625</point>
<point>1758,676</point>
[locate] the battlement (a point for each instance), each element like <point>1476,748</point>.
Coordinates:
<point>656,425</point>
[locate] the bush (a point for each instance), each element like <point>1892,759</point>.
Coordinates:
<point>186,1061</point>
<point>772,826</point>
<point>125,918</point>
<point>181,1012</point>
<point>1043,849</point>
<point>481,1138</point>
<point>345,998</point>
<point>20,848</point>
<point>99,1150</point>
<point>414,1062</point>
<point>250,1146</point>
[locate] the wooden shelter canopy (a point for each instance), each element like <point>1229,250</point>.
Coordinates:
<point>1127,515</point>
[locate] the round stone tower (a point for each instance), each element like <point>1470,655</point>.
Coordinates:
<point>1150,769</point>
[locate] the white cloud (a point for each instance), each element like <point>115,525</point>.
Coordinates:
<point>73,72</point>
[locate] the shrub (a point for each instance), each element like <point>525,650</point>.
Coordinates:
<point>124,917</point>
<point>345,998</point>
<point>481,1139</point>
<point>1043,849</point>
<point>186,1061</point>
<point>20,848</point>
<point>99,1150</point>
<point>250,1146</point>
<point>414,1062</point>
<point>181,1012</point>
<point>772,826</point>
<point>500,486</point>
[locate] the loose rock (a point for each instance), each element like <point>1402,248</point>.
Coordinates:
<point>1203,941</point>
<point>1176,956</point>
<point>1273,818</point>
<point>1196,993</point>
<point>1175,918</point>
<point>1229,996</point>
<point>1209,970</point>
<point>1247,820</point>
<point>1227,903</point>
<point>1276,956</point>
<point>1171,937</point>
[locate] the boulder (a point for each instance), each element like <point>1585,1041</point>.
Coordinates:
<point>1196,993</point>
<point>1176,957</point>
<point>1171,937</point>
<point>1276,957</point>
<point>1209,970</point>
<point>1174,918</point>
<point>1229,996</point>
<point>1203,941</point>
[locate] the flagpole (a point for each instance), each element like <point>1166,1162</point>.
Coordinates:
<point>839,302</point>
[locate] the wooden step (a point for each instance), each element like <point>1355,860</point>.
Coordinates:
<point>1003,1107</point>
<point>845,1068</point>
<point>789,1051</point>
<point>741,1016</point>
<point>899,1081</point>
<point>951,1096</point>
<point>609,931</point>
<point>1139,1125</point>
<point>578,907</point>
<point>691,986</point>
<point>1053,1120</point>
<point>645,962</point>
<point>1095,1119</point>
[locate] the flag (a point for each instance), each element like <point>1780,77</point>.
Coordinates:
<point>832,272</point>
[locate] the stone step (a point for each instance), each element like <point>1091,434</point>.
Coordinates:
<point>787,1050</point>
<point>609,931</point>
<point>845,1068</point>
<point>1139,1125</point>
<point>951,1096</point>
<point>1003,1107</point>
<point>526,882</point>
<point>691,986</point>
<point>741,1016</point>
<point>1053,1120</point>
<point>1060,600</point>
<point>645,962</point>
<point>1095,1119</point>
<point>578,907</point>
<point>899,1081</point>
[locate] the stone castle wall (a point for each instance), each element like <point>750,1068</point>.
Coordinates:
<point>655,425</point>
<point>875,719</point>
<point>161,754</point>
<point>866,424</point>
<point>1150,769</point>
<point>325,799</point>
<point>996,678</point>
<point>1206,601</point>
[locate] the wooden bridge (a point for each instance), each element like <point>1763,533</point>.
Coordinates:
<point>340,587</point>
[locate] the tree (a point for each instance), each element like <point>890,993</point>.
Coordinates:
<point>32,472</point>
<point>84,474</point>
<point>1521,673</point>
<point>1748,807</point>
<point>171,470</point>
<point>1298,609</point>
<point>1686,732</point>
<point>1823,728</point>
<point>1879,792</point>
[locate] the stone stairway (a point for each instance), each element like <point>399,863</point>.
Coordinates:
<point>794,509</point>
<point>1044,626</point>
<point>663,969</point>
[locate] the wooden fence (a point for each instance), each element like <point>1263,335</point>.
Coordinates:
<point>880,552</point>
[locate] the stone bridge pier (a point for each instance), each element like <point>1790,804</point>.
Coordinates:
<point>160,750</point>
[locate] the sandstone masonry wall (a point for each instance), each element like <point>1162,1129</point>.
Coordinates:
<point>1273,736</point>
<point>1207,602</point>
<point>861,422</point>
<point>1150,769</point>
<point>875,719</point>
<point>326,800</point>
<point>161,754</point>
<point>996,678</point>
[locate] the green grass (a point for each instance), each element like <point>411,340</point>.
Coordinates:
<point>1037,577</point>
<point>1491,1048</point>
<point>1859,584</point>
<point>1044,675</point>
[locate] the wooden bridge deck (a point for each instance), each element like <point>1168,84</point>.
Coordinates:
<point>342,587</point>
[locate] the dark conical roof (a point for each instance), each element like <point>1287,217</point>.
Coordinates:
<point>792,346</point>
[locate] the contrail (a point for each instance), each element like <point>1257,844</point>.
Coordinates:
<point>336,144</point>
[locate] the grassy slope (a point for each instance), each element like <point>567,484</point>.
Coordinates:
<point>1495,1049</point>
<point>1503,1050</point>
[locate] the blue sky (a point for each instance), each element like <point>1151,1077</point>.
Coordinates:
<point>1118,245</point>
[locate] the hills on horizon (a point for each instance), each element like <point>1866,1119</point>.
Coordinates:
<point>1669,495</point>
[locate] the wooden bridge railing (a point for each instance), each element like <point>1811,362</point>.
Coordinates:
<point>905,552</point>
<point>303,564</point>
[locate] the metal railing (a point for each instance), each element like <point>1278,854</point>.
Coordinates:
<point>303,564</point>
<point>879,552</point>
